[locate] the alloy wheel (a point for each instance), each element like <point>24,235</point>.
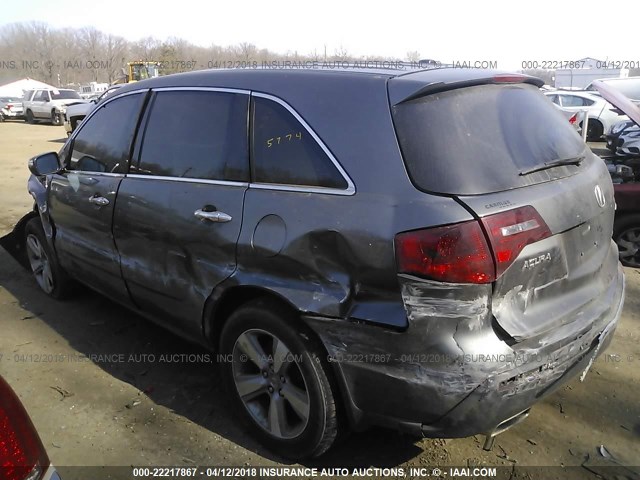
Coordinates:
<point>40,264</point>
<point>270,384</point>
<point>629,247</point>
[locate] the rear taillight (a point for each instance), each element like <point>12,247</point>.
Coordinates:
<point>460,253</point>
<point>573,119</point>
<point>456,253</point>
<point>22,456</point>
<point>511,231</point>
<point>8,106</point>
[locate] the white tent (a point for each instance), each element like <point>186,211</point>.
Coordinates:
<point>15,89</point>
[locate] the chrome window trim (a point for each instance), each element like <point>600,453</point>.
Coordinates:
<point>228,183</point>
<point>91,173</point>
<point>201,89</point>
<point>350,190</point>
<point>300,188</point>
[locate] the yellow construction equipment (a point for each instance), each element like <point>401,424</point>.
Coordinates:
<point>137,71</point>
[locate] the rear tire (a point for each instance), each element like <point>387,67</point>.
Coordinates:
<point>626,233</point>
<point>30,118</point>
<point>45,268</point>
<point>595,130</point>
<point>279,381</point>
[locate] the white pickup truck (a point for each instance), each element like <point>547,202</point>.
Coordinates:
<point>48,104</point>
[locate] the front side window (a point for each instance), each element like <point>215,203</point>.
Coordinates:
<point>284,152</point>
<point>104,141</point>
<point>197,134</point>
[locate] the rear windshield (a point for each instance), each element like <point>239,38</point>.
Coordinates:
<point>479,139</point>
<point>65,95</point>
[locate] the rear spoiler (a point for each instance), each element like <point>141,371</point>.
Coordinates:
<point>410,86</point>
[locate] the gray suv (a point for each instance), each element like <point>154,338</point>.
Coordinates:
<point>429,250</point>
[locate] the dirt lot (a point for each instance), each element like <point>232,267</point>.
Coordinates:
<point>151,412</point>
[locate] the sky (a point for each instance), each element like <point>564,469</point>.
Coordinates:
<point>506,32</point>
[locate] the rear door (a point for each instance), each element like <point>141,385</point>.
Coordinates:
<point>544,200</point>
<point>179,212</point>
<point>40,103</point>
<point>83,195</point>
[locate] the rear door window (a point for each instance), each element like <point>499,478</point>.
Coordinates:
<point>104,141</point>
<point>285,153</point>
<point>197,134</point>
<point>480,139</point>
<point>575,101</point>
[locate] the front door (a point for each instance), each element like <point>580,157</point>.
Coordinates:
<point>83,196</point>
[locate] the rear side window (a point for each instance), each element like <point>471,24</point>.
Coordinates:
<point>575,101</point>
<point>104,141</point>
<point>479,139</point>
<point>284,152</point>
<point>197,134</point>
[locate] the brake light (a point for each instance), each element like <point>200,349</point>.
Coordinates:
<point>455,253</point>
<point>511,231</point>
<point>509,78</point>
<point>573,119</point>
<point>22,456</point>
<point>460,253</point>
<point>8,106</point>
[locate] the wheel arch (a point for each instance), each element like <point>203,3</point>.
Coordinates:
<point>224,301</point>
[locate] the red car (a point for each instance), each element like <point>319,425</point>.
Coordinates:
<point>626,178</point>
<point>22,455</point>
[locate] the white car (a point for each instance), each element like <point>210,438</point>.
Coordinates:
<point>600,112</point>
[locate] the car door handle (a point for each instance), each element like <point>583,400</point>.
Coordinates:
<point>100,201</point>
<point>217,217</point>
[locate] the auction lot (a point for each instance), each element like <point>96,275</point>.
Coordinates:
<point>105,387</point>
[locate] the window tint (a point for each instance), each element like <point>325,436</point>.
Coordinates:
<point>194,134</point>
<point>103,143</point>
<point>284,152</point>
<point>42,96</point>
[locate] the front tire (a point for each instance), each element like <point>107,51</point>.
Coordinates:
<point>279,380</point>
<point>56,118</point>
<point>46,270</point>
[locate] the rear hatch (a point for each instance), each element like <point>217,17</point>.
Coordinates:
<point>543,200</point>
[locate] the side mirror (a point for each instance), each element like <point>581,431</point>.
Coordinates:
<point>45,164</point>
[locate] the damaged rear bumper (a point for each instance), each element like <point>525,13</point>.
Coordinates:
<point>454,377</point>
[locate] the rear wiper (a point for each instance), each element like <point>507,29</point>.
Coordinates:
<point>556,163</point>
